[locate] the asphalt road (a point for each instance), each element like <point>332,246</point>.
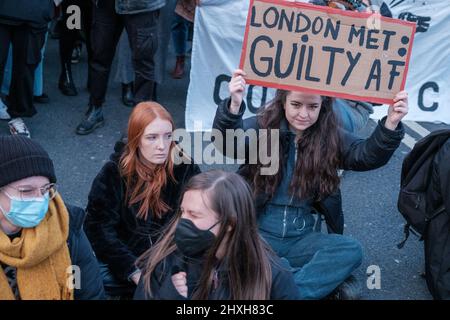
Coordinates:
<point>369,198</point>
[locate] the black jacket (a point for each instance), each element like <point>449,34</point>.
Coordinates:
<point>357,154</point>
<point>437,234</point>
<point>283,285</point>
<point>36,13</point>
<point>117,235</point>
<point>82,255</point>
<point>440,180</point>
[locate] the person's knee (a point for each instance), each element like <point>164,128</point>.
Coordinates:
<point>356,251</point>
<point>145,43</point>
<point>352,251</point>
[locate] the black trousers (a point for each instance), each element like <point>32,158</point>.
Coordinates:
<point>142,34</point>
<point>26,49</point>
<point>69,37</point>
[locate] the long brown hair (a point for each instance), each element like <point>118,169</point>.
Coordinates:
<point>247,256</point>
<point>145,181</point>
<point>318,153</point>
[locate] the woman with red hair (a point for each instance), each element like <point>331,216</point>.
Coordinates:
<point>134,195</point>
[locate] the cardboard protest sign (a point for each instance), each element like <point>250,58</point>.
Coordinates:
<point>303,47</point>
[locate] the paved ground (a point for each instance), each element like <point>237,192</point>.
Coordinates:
<point>369,198</point>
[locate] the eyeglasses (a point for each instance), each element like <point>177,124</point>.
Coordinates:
<point>30,192</point>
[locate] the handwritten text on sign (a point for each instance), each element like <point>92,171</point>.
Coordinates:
<point>297,46</point>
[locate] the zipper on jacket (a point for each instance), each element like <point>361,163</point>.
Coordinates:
<point>292,197</point>
<point>285,217</point>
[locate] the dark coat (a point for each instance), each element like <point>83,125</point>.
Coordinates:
<point>36,13</point>
<point>437,234</point>
<point>283,285</point>
<point>440,180</point>
<point>357,154</point>
<point>117,235</point>
<point>83,256</point>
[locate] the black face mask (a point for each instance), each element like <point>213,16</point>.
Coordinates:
<point>192,241</point>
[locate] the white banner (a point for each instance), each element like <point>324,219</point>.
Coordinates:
<point>218,35</point>
<point>428,82</point>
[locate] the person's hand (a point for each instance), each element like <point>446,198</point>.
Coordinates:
<point>179,281</point>
<point>136,277</point>
<point>397,110</point>
<point>237,90</point>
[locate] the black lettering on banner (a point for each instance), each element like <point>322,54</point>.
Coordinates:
<point>300,62</point>
<point>288,21</point>
<point>308,66</point>
<point>394,73</point>
<point>275,19</point>
<point>334,30</point>
<point>217,85</point>
<point>357,33</point>
<point>251,88</point>
<point>278,73</point>
<point>422,22</point>
<point>269,60</point>
<point>298,23</point>
<point>428,85</point>
<point>315,29</point>
<point>375,73</point>
<point>252,21</point>
<point>370,39</point>
<point>250,105</point>
<point>353,62</point>
<point>388,35</point>
<point>332,51</point>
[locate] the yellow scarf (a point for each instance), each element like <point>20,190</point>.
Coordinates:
<point>41,257</point>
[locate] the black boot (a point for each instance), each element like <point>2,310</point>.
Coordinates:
<point>66,84</point>
<point>94,119</point>
<point>350,289</point>
<point>43,98</point>
<point>127,94</point>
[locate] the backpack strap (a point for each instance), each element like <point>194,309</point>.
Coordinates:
<point>407,228</point>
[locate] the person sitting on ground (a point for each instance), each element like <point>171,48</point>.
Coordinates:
<point>212,249</point>
<point>40,237</point>
<point>134,195</point>
<point>311,148</point>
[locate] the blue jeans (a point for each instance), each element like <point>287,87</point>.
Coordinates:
<point>38,88</point>
<point>320,262</point>
<point>180,33</point>
<point>352,116</point>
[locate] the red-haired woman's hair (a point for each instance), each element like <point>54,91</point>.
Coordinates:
<point>144,180</point>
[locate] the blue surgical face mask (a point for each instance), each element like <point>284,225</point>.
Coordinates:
<point>27,213</point>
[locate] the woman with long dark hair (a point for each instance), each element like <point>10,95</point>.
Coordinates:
<point>311,148</point>
<point>135,194</point>
<point>212,250</point>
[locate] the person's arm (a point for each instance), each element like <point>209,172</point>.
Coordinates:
<point>375,151</point>
<point>163,286</point>
<point>229,118</point>
<point>283,284</point>
<point>91,282</point>
<point>103,218</point>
